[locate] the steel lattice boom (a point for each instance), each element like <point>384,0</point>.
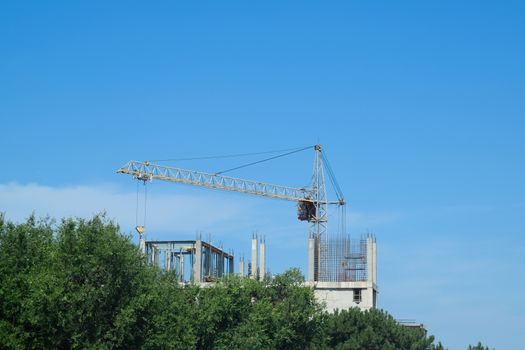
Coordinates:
<point>146,171</point>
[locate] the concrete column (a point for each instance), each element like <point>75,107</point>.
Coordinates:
<point>262,259</point>
<point>168,260</point>
<point>241,267</point>
<point>374,261</point>
<point>142,244</point>
<point>221,264</point>
<point>369,258</point>
<point>254,257</point>
<point>155,256</point>
<point>181,267</point>
<point>197,265</point>
<point>311,259</point>
<point>231,267</point>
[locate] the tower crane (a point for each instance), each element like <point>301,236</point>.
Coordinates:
<point>312,202</point>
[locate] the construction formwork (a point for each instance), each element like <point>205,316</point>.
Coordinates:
<point>192,260</point>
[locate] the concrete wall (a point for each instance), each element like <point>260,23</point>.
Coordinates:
<point>371,261</point>
<point>254,272</point>
<point>262,259</point>
<point>340,295</point>
<point>311,259</point>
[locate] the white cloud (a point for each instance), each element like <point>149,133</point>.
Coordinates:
<point>229,218</point>
<point>164,211</point>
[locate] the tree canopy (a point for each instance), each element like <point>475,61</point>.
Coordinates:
<point>81,284</point>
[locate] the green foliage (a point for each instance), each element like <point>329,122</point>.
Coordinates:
<point>242,313</point>
<point>80,284</point>
<point>373,329</point>
<point>478,347</point>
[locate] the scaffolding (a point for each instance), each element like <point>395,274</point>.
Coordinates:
<point>191,260</point>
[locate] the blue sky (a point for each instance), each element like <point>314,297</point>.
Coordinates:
<point>419,106</point>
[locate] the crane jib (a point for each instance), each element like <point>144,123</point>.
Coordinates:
<point>145,171</point>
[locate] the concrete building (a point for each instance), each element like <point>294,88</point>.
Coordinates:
<point>349,278</point>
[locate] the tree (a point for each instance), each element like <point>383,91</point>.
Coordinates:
<point>296,310</point>
<point>26,252</point>
<point>82,284</point>
<point>239,313</point>
<point>479,346</point>
<point>372,329</point>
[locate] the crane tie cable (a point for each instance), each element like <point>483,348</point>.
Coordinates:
<point>225,155</point>
<point>262,160</point>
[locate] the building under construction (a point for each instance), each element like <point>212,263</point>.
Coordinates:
<point>348,270</point>
<point>200,261</point>
<point>196,261</point>
<point>348,276</point>
<point>342,271</point>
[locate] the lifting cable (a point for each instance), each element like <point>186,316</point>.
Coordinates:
<point>341,208</point>
<point>145,202</point>
<point>340,213</point>
<point>137,207</point>
<point>333,179</point>
<point>343,219</point>
<point>140,228</point>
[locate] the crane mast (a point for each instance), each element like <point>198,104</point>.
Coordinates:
<point>319,226</point>
<point>312,202</point>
